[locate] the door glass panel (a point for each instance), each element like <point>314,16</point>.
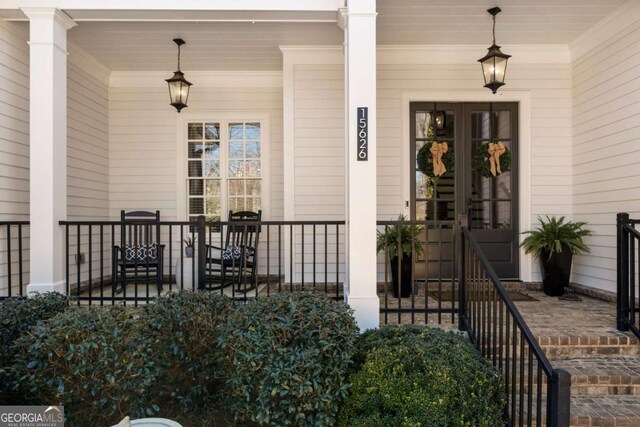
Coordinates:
<point>502,124</point>
<point>434,197</point>
<point>449,128</point>
<point>503,186</point>
<point>502,217</point>
<point>423,121</point>
<point>480,125</point>
<point>491,195</point>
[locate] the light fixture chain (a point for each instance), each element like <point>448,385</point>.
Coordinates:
<point>179,53</point>
<point>494,29</point>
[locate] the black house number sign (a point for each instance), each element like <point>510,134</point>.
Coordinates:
<point>363,134</point>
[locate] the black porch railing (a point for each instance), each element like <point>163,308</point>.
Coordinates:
<point>628,256</point>
<point>14,258</point>
<point>289,255</point>
<point>537,394</point>
<point>432,294</point>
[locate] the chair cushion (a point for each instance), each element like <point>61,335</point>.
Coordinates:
<point>232,253</point>
<point>141,252</point>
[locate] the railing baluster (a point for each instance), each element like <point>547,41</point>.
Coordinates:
<point>90,253</point>
<point>279,258</point>
<point>292,259</point>
<point>78,262</point>
<point>326,259</point>
<point>66,255</point>
<point>20,261</point>
<point>9,281</point>
<point>338,261</point>
<point>101,264</point>
<point>268,259</point>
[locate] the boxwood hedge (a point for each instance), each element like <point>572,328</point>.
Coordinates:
<point>421,377</point>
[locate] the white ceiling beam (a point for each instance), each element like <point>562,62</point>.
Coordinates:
<point>194,5</point>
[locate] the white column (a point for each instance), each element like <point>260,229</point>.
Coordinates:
<point>48,146</point>
<point>359,21</point>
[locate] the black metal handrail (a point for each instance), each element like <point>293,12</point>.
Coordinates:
<point>499,332</point>
<point>628,306</point>
<point>15,277</point>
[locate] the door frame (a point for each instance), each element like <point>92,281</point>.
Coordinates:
<point>523,98</point>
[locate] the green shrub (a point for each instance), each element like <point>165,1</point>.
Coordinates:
<point>184,329</point>
<point>421,377</point>
<point>97,362</point>
<point>17,316</point>
<point>287,359</point>
<point>106,363</point>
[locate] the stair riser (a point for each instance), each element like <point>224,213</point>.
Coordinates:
<point>586,389</point>
<point>604,390</point>
<point>569,352</point>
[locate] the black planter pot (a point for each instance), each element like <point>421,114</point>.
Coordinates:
<point>188,251</point>
<point>556,271</point>
<point>405,269</point>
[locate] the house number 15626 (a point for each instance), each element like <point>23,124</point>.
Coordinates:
<point>363,134</point>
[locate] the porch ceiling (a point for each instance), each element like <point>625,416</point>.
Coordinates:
<point>230,40</point>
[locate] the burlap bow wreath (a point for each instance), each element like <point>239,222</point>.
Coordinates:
<point>495,151</point>
<point>437,151</point>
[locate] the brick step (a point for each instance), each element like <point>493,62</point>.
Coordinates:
<point>603,376</point>
<point>614,411</point>
<point>597,346</point>
<point>593,377</point>
<point>590,411</point>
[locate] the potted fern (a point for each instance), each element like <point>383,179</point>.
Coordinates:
<point>401,241</point>
<point>554,243</point>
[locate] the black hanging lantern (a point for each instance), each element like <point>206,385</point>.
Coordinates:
<point>178,85</point>
<point>494,63</point>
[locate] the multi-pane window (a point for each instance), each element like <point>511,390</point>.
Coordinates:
<point>224,167</point>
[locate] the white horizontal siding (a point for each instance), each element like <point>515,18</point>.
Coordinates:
<point>14,122</point>
<point>319,133</point>
<point>319,142</point>
<point>142,142</point>
<point>14,153</point>
<point>87,145</point>
<point>606,145</point>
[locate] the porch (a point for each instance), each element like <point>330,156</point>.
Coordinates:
<point>272,125</point>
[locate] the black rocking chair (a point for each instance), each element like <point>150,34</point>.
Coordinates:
<point>139,257</point>
<point>236,263</point>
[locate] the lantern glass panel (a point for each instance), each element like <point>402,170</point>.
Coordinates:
<point>174,91</point>
<point>500,69</point>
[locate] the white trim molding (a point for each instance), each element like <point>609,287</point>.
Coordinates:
<point>523,98</point>
<point>172,5</point>
<point>436,54</point>
<point>209,79</point>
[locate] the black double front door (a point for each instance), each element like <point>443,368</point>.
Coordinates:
<point>465,158</point>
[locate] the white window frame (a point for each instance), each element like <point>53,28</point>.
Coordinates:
<point>223,118</point>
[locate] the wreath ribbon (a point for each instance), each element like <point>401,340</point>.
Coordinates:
<point>437,151</point>
<point>495,151</point>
